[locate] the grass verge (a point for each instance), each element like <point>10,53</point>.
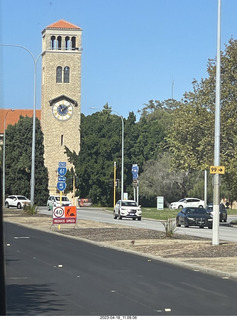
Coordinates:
<point>165,214</point>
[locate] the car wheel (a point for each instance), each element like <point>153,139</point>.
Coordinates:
<point>210,227</point>
<point>180,207</point>
<point>120,218</point>
<point>177,223</point>
<point>115,217</point>
<point>140,218</point>
<point>6,204</point>
<point>19,206</point>
<point>186,225</point>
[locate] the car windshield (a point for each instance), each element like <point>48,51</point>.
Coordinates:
<point>195,211</point>
<point>63,199</point>
<point>129,204</point>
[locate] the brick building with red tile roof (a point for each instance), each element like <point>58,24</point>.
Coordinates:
<point>13,117</point>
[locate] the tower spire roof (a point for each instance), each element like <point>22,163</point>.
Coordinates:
<point>62,24</point>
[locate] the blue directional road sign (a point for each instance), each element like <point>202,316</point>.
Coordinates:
<point>62,164</point>
<point>62,171</point>
<point>61,186</point>
<point>135,170</point>
<point>61,179</point>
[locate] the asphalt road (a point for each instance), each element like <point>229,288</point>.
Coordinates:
<point>94,214</point>
<point>48,274</point>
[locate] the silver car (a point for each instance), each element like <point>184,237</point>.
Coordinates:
<point>127,209</point>
<point>54,201</point>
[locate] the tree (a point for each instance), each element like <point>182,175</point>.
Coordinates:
<point>155,120</point>
<point>191,137</point>
<point>158,179</point>
<point>100,147</point>
<point>18,160</point>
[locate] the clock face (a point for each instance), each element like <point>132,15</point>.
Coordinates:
<point>62,110</point>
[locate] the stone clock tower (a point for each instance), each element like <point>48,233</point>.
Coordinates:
<point>61,94</point>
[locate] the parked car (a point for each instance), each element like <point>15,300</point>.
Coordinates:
<point>127,209</point>
<point>84,202</point>
<point>187,202</point>
<point>222,211</point>
<point>191,216</point>
<point>17,201</point>
<point>54,201</point>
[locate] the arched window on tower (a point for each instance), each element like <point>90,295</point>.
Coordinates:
<point>52,43</point>
<point>67,43</point>
<point>59,75</point>
<point>59,42</point>
<point>73,43</point>
<point>66,74</point>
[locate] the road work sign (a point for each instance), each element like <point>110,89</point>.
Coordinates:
<point>63,215</point>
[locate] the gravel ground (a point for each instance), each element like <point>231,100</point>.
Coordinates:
<point>191,252</point>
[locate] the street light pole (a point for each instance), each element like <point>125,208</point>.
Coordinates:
<point>122,166</point>
<point>114,183</point>
<point>35,60</point>
<point>216,188</point>
<point>4,158</point>
<point>122,170</point>
<point>32,181</point>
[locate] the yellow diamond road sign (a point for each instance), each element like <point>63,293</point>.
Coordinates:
<point>217,169</point>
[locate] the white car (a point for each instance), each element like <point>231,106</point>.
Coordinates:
<point>187,202</point>
<point>127,209</point>
<point>17,201</point>
<point>54,201</point>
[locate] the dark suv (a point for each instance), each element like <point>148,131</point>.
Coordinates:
<point>222,211</point>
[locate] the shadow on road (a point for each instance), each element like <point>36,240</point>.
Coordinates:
<point>31,300</point>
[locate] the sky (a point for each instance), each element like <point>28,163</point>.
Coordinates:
<point>133,50</point>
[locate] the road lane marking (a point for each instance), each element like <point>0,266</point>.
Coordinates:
<point>18,278</point>
<point>21,238</point>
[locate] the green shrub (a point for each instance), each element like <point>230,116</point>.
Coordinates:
<point>31,210</point>
<point>170,227</point>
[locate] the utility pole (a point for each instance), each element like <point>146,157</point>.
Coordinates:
<point>216,188</point>
<point>114,183</point>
